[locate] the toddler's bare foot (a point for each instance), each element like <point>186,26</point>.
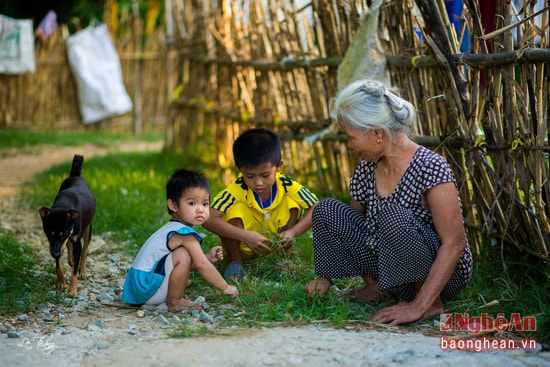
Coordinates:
<point>182,304</point>
<point>319,286</point>
<point>369,294</point>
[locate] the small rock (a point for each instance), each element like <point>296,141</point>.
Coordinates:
<point>175,320</point>
<point>140,314</point>
<point>148,307</point>
<point>162,308</point>
<point>6,226</point>
<point>82,294</point>
<point>162,320</point>
<point>205,317</point>
<point>101,324</point>
<point>200,299</point>
<point>93,328</point>
<point>13,335</point>
<point>105,298</point>
<point>116,258</point>
<point>9,326</point>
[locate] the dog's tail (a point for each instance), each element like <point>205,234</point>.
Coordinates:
<point>76,169</point>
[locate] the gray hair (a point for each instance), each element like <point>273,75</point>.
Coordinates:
<point>368,104</point>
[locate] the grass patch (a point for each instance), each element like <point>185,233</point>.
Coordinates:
<point>28,140</point>
<point>190,331</point>
<point>131,205</point>
<point>24,282</point>
<point>522,289</point>
<point>271,293</point>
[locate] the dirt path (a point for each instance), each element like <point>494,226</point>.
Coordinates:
<point>109,336</point>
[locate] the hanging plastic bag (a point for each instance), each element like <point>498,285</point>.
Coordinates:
<point>96,69</point>
<point>16,46</point>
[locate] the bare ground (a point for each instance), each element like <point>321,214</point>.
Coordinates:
<point>302,346</point>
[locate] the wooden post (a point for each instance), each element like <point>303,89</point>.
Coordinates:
<point>138,36</point>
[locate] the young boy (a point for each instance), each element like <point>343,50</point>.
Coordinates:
<point>160,272</point>
<point>260,199</point>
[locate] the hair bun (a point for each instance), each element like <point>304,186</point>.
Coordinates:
<point>373,88</point>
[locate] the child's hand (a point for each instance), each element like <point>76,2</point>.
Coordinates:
<point>231,291</point>
<point>215,254</point>
<point>288,239</point>
<point>258,243</point>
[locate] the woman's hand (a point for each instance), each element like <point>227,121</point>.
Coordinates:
<point>288,239</point>
<point>400,313</point>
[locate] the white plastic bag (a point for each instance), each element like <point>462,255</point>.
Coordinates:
<point>16,46</point>
<point>96,69</point>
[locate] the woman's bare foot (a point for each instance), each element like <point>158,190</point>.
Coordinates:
<point>435,310</point>
<point>370,294</point>
<point>318,286</point>
<point>182,304</point>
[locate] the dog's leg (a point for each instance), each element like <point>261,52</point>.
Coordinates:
<point>70,253</point>
<point>77,249</point>
<point>60,284</point>
<point>83,263</point>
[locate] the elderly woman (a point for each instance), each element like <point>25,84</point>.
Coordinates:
<point>403,232</point>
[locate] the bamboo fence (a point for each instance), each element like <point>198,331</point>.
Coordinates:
<point>275,64</point>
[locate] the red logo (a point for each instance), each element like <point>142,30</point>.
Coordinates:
<point>477,324</point>
<point>445,322</point>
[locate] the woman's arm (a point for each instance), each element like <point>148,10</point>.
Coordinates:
<point>442,201</point>
<point>300,227</point>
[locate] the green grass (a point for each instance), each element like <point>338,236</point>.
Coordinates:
<point>131,205</point>
<point>24,282</point>
<point>191,331</point>
<point>28,140</point>
<point>271,294</point>
<point>523,289</point>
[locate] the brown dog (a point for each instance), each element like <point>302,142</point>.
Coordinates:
<point>68,223</point>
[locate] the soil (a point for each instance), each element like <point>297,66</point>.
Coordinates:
<point>75,343</point>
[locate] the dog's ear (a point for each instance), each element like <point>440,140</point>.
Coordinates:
<point>72,215</point>
<point>44,212</point>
